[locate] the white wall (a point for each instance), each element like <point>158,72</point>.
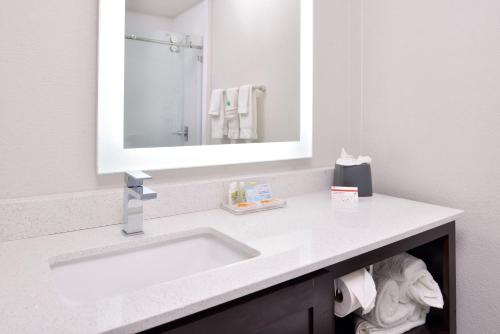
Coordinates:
<point>48,86</point>
<point>145,25</point>
<point>194,21</point>
<point>258,42</point>
<point>431,121</point>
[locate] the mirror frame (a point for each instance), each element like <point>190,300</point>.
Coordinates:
<point>113,158</point>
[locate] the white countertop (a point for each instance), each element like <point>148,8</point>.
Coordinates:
<point>304,237</point>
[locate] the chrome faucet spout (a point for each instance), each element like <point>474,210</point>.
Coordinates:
<point>142,193</point>
<point>134,196</point>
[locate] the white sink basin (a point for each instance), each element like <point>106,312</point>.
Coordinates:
<point>97,274</point>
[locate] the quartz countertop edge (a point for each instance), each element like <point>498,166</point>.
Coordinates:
<point>308,235</point>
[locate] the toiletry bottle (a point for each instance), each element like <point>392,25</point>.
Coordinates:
<point>233,193</point>
<point>242,198</point>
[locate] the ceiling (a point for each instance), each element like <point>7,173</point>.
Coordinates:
<point>168,8</point>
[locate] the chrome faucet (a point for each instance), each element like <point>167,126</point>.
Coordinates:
<point>134,195</point>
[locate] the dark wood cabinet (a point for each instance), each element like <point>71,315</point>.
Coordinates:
<point>301,306</point>
<point>436,247</point>
<point>306,306</point>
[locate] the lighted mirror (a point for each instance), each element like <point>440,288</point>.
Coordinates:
<point>187,83</point>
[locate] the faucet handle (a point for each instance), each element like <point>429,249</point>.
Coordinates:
<point>136,178</point>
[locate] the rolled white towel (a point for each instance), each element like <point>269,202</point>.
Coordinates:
<point>416,283</point>
<point>388,311</point>
<point>424,290</point>
<point>418,318</point>
<point>365,327</point>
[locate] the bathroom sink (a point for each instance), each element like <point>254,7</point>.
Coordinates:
<point>111,272</point>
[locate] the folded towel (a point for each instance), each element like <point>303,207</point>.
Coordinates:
<point>247,109</point>
<point>216,102</point>
<point>231,113</point>
<point>416,283</point>
<point>216,113</point>
<point>416,319</point>
<point>388,311</point>
<point>365,327</point>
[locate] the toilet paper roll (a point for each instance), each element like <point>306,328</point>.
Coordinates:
<point>357,290</point>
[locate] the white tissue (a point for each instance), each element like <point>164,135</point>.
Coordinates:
<point>349,160</point>
<point>358,291</point>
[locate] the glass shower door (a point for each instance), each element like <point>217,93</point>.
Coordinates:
<point>154,95</point>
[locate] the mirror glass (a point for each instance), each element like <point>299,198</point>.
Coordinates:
<point>211,72</point>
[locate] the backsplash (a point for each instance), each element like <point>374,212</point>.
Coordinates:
<point>38,216</point>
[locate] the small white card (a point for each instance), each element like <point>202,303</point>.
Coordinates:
<point>345,197</point>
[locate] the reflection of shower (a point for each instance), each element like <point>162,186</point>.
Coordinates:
<point>175,42</point>
<point>163,89</point>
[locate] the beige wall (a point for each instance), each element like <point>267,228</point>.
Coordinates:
<point>48,90</point>
<point>431,121</point>
<point>258,42</point>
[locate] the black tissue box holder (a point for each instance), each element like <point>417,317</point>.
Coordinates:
<point>354,176</point>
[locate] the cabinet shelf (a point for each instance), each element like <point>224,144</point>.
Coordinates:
<point>437,249</point>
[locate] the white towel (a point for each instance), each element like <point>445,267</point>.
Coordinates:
<point>416,283</point>
<point>388,311</point>
<point>216,113</point>
<point>231,113</point>
<point>247,109</point>
<point>365,327</point>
